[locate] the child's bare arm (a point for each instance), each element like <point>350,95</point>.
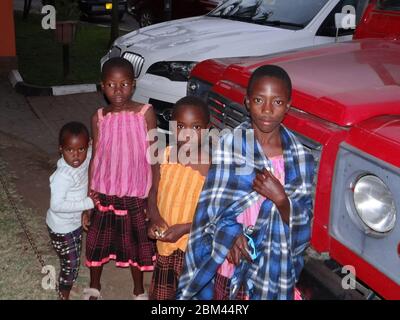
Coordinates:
<point>87,213</point>
<point>95,134</point>
<point>156,221</point>
<point>85,220</point>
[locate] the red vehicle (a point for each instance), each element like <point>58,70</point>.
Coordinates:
<point>346,110</point>
<point>380,20</point>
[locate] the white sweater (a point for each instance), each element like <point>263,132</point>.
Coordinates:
<point>69,187</point>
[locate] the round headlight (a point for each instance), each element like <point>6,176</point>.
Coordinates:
<point>374,203</point>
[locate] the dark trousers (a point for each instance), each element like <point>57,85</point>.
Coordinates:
<point>68,248</point>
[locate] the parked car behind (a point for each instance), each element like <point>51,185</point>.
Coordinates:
<point>148,12</point>
<point>164,54</point>
<point>92,8</point>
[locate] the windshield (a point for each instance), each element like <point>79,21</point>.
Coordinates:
<point>295,13</point>
<point>389,5</point>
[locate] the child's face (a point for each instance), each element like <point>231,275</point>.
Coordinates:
<point>192,118</point>
<point>74,149</point>
<point>268,103</point>
<point>118,86</point>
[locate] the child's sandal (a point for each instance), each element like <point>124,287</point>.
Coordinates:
<point>142,296</point>
<point>93,293</point>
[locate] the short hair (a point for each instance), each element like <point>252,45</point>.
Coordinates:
<point>75,128</point>
<point>117,63</point>
<point>271,71</point>
<point>192,101</point>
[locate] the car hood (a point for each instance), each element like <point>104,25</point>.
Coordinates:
<point>383,131</point>
<point>199,38</point>
<point>343,83</point>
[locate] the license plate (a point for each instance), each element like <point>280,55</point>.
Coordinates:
<point>108,6</point>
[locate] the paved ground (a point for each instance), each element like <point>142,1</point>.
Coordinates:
<point>36,120</point>
<point>28,136</point>
<point>54,112</point>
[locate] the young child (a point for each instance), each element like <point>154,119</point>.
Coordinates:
<point>69,198</point>
<point>122,177</point>
<point>250,230</point>
<point>178,193</point>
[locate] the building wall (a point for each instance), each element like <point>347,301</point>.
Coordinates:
<point>8,59</point>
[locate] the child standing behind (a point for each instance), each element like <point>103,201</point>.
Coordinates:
<point>178,193</point>
<point>122,177</point>
<point>69,198</point>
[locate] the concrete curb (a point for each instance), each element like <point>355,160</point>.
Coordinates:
<point>26,89</point>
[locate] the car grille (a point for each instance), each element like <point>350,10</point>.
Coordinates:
<point>136,60</point>
<point>225,113</point>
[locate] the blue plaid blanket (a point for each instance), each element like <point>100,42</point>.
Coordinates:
<point>227,192</point>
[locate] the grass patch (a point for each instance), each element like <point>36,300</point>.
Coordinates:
<point>40,56</point>
<point>21,277</point>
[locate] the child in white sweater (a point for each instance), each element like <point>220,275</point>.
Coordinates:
<point>69,187</point>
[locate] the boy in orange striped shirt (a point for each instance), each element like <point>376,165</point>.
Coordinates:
<point>180,185</point>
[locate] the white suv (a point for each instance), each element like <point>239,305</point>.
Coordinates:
<point>164,54</point>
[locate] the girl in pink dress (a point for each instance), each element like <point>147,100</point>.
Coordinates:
<point>121,176</point>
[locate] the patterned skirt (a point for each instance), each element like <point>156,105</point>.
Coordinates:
<point>118,231</point>
<point>166,276</point>
<point>222,285</point>
<point>221,289</point>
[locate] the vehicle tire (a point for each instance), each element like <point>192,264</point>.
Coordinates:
<point>146,18</point>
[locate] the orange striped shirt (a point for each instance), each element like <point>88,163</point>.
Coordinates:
<point>178,194</point>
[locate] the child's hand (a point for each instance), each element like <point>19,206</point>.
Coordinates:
<point>267,185</point>
<point>239,250</point>
<point>156,226</point>
<point>270,187</point>
<point>175,232</point>
<point>86,220</point>
<point>95,197</point>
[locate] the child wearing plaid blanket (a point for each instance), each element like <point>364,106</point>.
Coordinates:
<point>252,226</point>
